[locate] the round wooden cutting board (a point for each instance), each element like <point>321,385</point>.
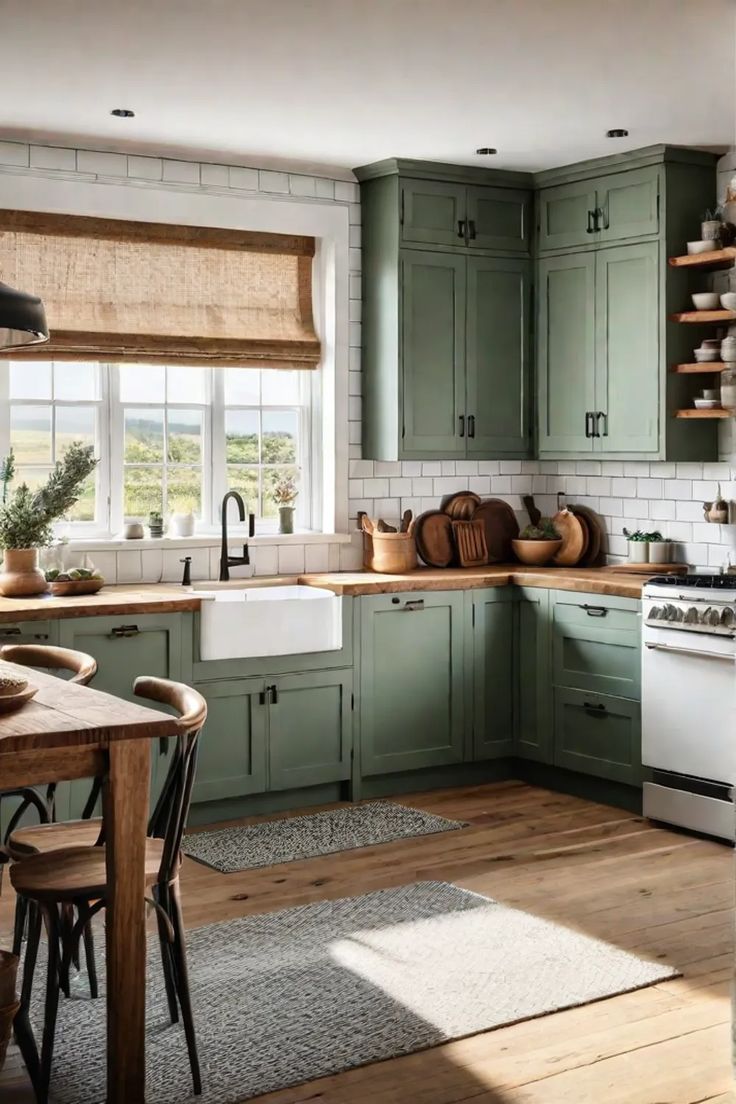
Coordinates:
<point>574,538</point>
<point>433,536</point>
<point>595,532</point>
<point>461,505</point>
<point>501,528</point>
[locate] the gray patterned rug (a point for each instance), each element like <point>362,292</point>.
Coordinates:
<point>286,997</point>
<point>302,837</point>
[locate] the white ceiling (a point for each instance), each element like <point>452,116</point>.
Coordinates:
<point>331,84</point>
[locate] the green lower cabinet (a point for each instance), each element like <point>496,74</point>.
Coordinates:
<point>596,643</point>
<point>492,646</point>
<point>412,681</point>
<point>598,734</point>
<point>534,728</point>
<point>310,729</point>
<point>125,647</point>
<point>232,748</point>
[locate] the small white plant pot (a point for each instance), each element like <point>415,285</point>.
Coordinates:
<point>660,552</point>
<point>181,525</point>
<point>638,552</point>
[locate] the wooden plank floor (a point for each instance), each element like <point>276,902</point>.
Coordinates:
<point>607,873</point>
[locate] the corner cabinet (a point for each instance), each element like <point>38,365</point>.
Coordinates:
<point>604,347</point>
<point>446,312</point>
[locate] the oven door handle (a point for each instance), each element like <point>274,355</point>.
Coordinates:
<point>691,652</point>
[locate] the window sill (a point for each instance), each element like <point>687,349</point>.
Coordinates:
<point>206,540</point>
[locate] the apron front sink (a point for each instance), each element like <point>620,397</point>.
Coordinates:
<point>269,621</point>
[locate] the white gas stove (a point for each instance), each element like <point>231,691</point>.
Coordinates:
<point>689,701</point>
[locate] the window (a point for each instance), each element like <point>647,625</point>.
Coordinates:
<point>169,438</point>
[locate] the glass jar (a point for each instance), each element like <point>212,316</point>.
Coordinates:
<point>728,388</point>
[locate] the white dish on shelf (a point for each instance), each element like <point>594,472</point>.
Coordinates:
<point>706,404</point>
<point>694,247</point>
<point>728,300</point>
<point>703,356</point>
<point>711,343</point>
<point>707,300</point>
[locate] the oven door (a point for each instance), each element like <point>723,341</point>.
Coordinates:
<point>689,703</point>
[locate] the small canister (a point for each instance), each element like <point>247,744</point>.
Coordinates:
<point>728,388</point>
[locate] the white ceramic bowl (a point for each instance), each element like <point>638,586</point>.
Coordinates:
<point>707,300</point>
<point>703,356</point>
<point>712,393</point>
<point>711,343</point>
<point>706,404</point>
<point>728,300</point>
<point>701,247</point>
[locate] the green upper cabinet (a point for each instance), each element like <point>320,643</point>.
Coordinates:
<point>567,215</point>
<point>433,325</point>
<point>446,312</point>
<point>498,369</point>
<point>627,348</point>
<point>566,352</point>
<point>412,681</point>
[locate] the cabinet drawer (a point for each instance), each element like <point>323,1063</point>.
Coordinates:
<point>596,645</point>
<point>628,204</point>
<point>499,218</point>
<point>29,632</point>
<point>566,215</point>
<point>432,213</point>
<point>598,734</point>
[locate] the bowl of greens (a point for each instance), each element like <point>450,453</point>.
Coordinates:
<point>537,544</point>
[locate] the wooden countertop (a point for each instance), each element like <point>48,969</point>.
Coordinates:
<point>170,598</point>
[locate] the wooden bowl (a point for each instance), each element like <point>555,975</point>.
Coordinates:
<point>76,586</point>
<point>535,552</point>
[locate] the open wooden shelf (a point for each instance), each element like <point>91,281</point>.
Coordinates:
<point>719,413</point>
<point>698,368</point>
<point>718,258</point>
<point>704,316</point>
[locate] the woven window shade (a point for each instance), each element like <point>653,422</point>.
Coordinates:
<point>155,293</point>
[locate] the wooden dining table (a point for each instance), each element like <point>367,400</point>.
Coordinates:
<point>66,732</point>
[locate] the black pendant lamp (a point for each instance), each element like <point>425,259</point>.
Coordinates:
<point>22,319</point>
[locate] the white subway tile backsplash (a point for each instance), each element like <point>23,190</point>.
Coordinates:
<point>129,567</point>
<point>626,487</point>
<point>14,153</point>
<point>677,488</point>
<point>53,157</point>
<point>421,485</point>
<point>376,488</point>
<point>302,185</point>
<point>649,488</point>
<point>448,467</point>
<point>244,179</point>
<point>265,559</point>
<point>705,489</point>
<point>346,192</point>
<point>399,487</point>
<point>689,471</point>
<point>181,172</point>
<point>325,189</point>
<point>103,164</point>
<point>510,467</point>
<point>689,511</point>
<point>599,485</point>
<point>360,468</point>
<point>273,181</point>
<point>480,484</point>
<point>446,485</point>
<point>291,559</point>
<point>387,467</point>
<point>588,467</point>
<point>387,508</point>
<point>316,557</point>
<point>663,510</point>
<point>214,176</point>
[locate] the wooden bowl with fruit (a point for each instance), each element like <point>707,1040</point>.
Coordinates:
<point>537,544</point>
<point>77,580</point>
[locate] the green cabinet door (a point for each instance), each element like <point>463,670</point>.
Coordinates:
<point>596,643</point>
<point>533,730</point>
<point>566,352</point>
<point>566,215</point>
<point>493,644</point>
<point>412,710</point>
<point>498,360</point>
<point>433,352</point>
<point>498,218</point>
<point>125,647</point>
<point>432,213</point>
<point>310,729</point>
<point>628,204</point>
<point>599,735</point>
<point>627,371</point>
<point>231,757</point>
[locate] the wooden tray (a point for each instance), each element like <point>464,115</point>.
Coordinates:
<point>76,586</point>
<point>10,702</point>
<point>574,538</point>
<point>595,535</point>
<point>461,505</point>
<point>649,568</point>
<point>470,542</point>
<point>433,535</point>
<point>501,527</point>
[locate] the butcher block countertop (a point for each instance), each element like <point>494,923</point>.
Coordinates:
<point>169,598</point>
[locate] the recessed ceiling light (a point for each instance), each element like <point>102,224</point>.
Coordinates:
<point>486,151</point>
<point>123,113</point>
<point>619,132</point>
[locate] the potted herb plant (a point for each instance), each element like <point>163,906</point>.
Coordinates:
<point>155,524</point>
<point>538,543</point>
<point>284,495</point>
<point>648,547</point>
<point>27,517</point>
<point>711,225</point>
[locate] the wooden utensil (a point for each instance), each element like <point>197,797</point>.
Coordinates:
<point>501,527</point>
<point>461,505</point>
<point>535,514</point>
<point>591,556</point>
<point>470,542</point>
<point>573,538</point>
<point>405,521</point>
<point>648,568</point>
<point>384,527</point>
<point>433,535</point>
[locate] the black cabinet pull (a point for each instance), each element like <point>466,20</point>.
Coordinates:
<point>274,694</point>
<point>600,213</point>
<point>598,415</point>
<point>471,229</point>
<point>591,223</point>
<point>588,420</point>
<point>595,710</point>
<point>595,611</point>
<point>414,606</point>
<point>461,229</point>
<point>461,420</point>
<point>125,630</point>
<point>471,425</point>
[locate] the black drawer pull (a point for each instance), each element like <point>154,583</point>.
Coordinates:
<point>461,228</point>
<point>125,630</point>
<point>461,420</point>
<point>594,710</point>
<point>274,694</point>
<point>13,631</point>
<point>471,425</point>
<point>414,606</point>
<point>595,611</point>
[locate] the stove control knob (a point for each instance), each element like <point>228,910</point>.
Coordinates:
<point>656,613</point>
<point>727,617</point>
<point>693,616</point>
<point>711,617</point>
<point>669,612</point>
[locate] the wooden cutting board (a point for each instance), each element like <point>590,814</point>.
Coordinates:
<point>574,538</point>
<point>470,542</point>
<point>649,568</point>
<point>433,536</point>
<point>461,505</point>
<point>501,527</point>
<point>595,534</point>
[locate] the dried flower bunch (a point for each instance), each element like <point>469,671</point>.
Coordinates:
<point>27,517</point>
<point>285,490</point>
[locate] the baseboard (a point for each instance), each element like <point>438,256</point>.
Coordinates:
<point>617,794</point>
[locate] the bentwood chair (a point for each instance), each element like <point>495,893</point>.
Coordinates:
<point>76,877</point>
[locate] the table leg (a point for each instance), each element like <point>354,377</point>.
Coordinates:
<point>126,798</point>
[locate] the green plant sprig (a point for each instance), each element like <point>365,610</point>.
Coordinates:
<point>27,517</point>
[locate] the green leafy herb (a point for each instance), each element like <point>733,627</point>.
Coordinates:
<point>27,517</point>
<point>545,530</point>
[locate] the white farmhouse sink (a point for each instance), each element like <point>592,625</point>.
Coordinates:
<point>269,621</point>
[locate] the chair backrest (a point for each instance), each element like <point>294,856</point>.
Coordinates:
<point>82,666</point>
<point>172,808</point>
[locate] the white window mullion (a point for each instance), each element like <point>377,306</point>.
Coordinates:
<point>218,463</point>
<point>116,448</point>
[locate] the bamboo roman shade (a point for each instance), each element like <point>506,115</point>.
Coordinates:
<point>153,292</point>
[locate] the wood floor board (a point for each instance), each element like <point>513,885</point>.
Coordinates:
<point>602,871</point>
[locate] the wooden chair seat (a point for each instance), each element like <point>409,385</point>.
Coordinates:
<point>37,839</point>
<point>76,873</point>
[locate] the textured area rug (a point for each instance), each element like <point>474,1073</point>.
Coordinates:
<point>302,837</point>
<point>290,996</point>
